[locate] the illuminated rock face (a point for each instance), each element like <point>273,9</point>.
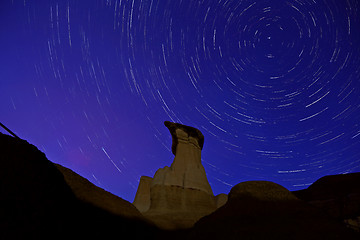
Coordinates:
<point>179,195</point>
<point>142,198</point>
<point>186,170</point>
<point>221,199</point>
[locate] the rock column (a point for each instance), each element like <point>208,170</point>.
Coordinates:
<point>180,194</point>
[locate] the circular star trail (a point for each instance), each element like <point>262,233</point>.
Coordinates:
<point>274,86</point>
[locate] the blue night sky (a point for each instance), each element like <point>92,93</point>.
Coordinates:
<point>274,86</point>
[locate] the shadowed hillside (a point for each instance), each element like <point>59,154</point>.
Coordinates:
<point>43,200</point>
<point>37,202</point>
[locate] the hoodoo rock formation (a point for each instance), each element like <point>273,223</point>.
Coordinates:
<point>179,195</point>
<point>186,170</point>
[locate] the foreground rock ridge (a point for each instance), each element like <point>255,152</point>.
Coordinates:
<point>338,196</point>
<point>42,200</point>
<point>266,210</point>
<point>179,195</point>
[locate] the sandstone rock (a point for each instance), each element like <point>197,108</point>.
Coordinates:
<point>180,194</point>
<point>221,199</point>
<point>142,197</point>
<point>174,207</point>
<point>186,170</point>
<point>191,132</point>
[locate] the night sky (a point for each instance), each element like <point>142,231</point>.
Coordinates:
<point>273,85</point>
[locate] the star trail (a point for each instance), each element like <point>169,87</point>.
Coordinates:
<point>274,86</point>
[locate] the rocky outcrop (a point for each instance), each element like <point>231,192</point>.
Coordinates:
<point>42,201</point>
<point>180,194</point>
<point>142,197</point>
<point>35,199</point>
<point>186,170</point>
<point>261,191</point>
<point>190,131</point>
<point>338,195</point>
<point>221,199</point>
<point>87,192</point>
<point>174,207</point>
<point>265,210</point>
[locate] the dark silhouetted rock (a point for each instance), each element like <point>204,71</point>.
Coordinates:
<point>38,203</point>
<point>265,210</point>
<point>35,200</point>
<point>338,195</point>
<point>87,192</point>
<point>262,191</point>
